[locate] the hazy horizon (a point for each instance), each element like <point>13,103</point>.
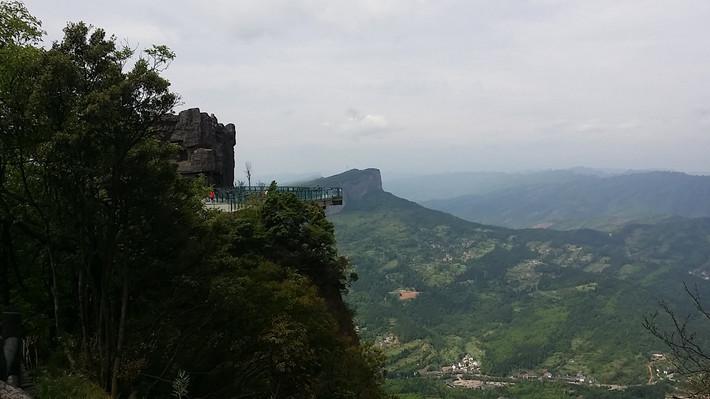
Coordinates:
<point>390,177</point>
<point>424,87</point>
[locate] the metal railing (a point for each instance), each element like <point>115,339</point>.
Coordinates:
<point>236,198</point>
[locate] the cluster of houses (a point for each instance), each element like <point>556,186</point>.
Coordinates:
<point>528,375</point>
<point>532,375</point>
<point>703,274</point>
<point>658,362</point>
<point>467,365</point>
<point>477,384</point>
<point>387,341</point>
<point>662,366</point>
<point>579,378</point>
<point>658,357</point>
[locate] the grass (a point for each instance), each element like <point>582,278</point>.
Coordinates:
<point>73,386</point>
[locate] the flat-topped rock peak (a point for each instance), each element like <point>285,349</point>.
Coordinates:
<point>356,183</point>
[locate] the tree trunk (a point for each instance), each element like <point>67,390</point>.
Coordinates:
<point>5,257</point>
<point>106,308</point>
<point>55,290</point>
<point>121,334</point>
<point>82,302</point>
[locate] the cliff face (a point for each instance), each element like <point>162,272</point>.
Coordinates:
<point>207,145</point>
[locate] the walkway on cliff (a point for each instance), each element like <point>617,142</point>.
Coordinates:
<point>234,199</point>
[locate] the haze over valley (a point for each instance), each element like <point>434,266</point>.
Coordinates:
<point>561,199</point>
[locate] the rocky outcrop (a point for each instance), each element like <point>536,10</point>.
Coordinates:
<point>357,184</point>
<point>9,392</point>
<point>207,145</point>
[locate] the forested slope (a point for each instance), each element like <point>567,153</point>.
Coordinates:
<point>566,301</point>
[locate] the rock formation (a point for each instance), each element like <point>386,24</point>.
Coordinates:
<point>357,184</point>
<point>9,392</point>
<point>207,145</point>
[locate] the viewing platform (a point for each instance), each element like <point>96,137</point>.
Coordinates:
<point>234,199</point>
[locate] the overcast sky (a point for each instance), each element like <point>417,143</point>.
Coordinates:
<point>433,86</point>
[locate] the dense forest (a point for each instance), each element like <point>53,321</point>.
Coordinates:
<point>127,285</point>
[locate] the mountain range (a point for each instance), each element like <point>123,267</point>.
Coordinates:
<point>433,288</point>
<point>563,199</point>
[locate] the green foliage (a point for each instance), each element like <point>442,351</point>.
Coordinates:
<point>89,188</point>
<point>254,320</point>
<point>181,384</point>
<point>126,281</point>
<point>17,26</point>
<point>568,302</point>
<point>68,386</point>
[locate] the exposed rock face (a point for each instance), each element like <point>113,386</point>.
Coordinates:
<point>356,184</point>
<point>207,145</point>
<point>9,392</point>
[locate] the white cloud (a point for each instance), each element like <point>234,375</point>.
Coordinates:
<point>598,126</point>
<point>357,125</point>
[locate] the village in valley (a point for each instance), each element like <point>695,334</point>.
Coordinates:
<point>466,372</point>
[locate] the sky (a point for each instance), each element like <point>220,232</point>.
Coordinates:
<point>316,87</point>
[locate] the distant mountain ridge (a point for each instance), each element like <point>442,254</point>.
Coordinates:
<point>570,200</point>
<point>565,301</point>
<point>421,188</point>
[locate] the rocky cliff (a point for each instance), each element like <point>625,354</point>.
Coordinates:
<point>357,184</point>
<point>207,145</point>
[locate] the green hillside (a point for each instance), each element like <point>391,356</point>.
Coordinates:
<point>568,302</point>
<point>568,200</point>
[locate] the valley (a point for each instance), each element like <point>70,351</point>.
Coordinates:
<point>433,288</point>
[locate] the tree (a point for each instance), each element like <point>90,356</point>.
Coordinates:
<point>19,32</point>
<point>84,163</point>
<point>17,26</point>
<point>247,172</point>
<point>680,334</point>
<point>125,277</point>
<point>263,315</point>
